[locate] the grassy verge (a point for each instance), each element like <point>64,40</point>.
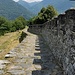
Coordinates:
<point>8,42</point>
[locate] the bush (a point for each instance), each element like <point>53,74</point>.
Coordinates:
<point>11,26</point>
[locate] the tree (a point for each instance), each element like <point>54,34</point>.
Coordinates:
<point>22,19</point>
<point>45,14</point>
<point>11,26</point>
<point>2,20</point>
<point>19,23</point>
<point>43,10</point>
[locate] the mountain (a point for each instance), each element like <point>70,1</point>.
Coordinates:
<point>12,10</point>
<point>24,4</point>
<point>60,5</point>
<point>28,5</point>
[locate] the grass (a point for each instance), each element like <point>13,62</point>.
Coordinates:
<point>8,42</point>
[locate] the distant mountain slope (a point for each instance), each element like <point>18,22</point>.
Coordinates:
<point>24,4</point>
<point>11,10</point>
<point>28,5</point>
<point>60,5</point>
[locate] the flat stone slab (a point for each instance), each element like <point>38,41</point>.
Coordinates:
<point>35,57</point>
<point>37,67</point>
<point>37,45</point>
<point>37,48</point>
<point>2,66</point>
<point>10,55</point>
<point>15,67</point>
<point>24,65</point>
<point>20,60</point>
<point>21,57</point>
<point>17,72</point>
<point>4,62</point>
<point>28,73</point>
<point>1,72</point>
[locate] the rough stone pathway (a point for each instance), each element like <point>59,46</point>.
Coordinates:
<point>30,57</point>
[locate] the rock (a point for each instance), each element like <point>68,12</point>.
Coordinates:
<point>2,66</point>
<point>4,62</point>
<point>37,67</point>
<point>36,45</point>
<point>17,72</point>
<point>10,55</point>
<point>74,58</point>
<point>37,48</point>
<point>28,73</point>
<point>15,67</point>
<point>1,72</point>
<point>74,65</point>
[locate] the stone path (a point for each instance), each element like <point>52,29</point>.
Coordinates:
<point>31,57</point>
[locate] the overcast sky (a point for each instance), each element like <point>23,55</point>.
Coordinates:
<point>29,0</point>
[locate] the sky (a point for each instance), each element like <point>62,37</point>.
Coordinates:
<point>29,1</point>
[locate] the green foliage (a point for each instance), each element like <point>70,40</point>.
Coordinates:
<point>2,20</point>
<point>11,26</point>
<point>44,15</point>
<point>19,23</point>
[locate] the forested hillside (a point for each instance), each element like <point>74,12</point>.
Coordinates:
<point>12,10</point>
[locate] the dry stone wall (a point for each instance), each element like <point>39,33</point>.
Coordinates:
<point>59,33</point>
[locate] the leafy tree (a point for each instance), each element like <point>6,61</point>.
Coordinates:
<point>11,26</point>
<point>44,15</point>
<point>2,20</point>
<point>22,20</point>
<point>19,23</point>
<point>43,10</point>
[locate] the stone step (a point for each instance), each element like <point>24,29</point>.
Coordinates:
<point>17,72</point>
<point>37,45</point>
<point>37,48</point>
<point>2,66</point>
<point>3,63</point>
<point>10,55</point>
<point>37,67</point>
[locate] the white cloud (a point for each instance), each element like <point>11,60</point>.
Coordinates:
<point>29,1</point>
<point>16,0</point>
<point>32,1</point>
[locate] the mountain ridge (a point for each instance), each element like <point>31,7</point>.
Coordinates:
<point>60,6</point>
<point>12,10</point>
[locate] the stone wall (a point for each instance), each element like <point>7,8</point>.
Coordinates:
<point>35,29</point>
<point>59,33</point>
